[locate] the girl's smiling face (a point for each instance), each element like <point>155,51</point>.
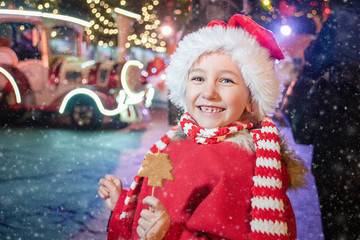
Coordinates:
<point>216,94</point>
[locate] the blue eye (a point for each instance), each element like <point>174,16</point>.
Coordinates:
<point>226,80</point>
<point>197,79</point>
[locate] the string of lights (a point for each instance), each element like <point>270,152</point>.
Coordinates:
<point>103,23</point>
<point>150,38</point>
<point>147,31</point>
<point>284,10</point>
<point>49,6</point>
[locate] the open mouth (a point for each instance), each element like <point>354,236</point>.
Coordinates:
<point>210,109</point>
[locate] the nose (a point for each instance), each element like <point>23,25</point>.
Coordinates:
<point>210,91</point>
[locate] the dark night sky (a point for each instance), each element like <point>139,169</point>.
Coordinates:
<point>74,8</point>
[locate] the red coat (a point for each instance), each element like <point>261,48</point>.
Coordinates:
<point>210,197</point>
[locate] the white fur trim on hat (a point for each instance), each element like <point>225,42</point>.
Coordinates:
<point>254,61</point>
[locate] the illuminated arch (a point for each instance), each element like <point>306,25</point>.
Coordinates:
<point>84,91</point>
<point>13,83</point>
<point>46,15</point>
<point>133,97</point>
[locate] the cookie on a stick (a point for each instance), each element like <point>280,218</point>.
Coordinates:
<point>156,167</point>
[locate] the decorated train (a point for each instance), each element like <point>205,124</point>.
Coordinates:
<point>54,78</point>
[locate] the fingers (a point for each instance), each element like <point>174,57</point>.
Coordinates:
<point>145,222</point>
<point>147,214</point>
<point>154,204</point>
<point>110,177</point>
<point>103,192</point>
<point>110,185</point>
<point>153,225</point>
<point>141,232</point>
<point>113,179</point>
<point>110,190</point>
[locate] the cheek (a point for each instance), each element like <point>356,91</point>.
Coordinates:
<point>188,99</point>
<point>236,102</point>
<point>231,100</point>
<point>190,95</point>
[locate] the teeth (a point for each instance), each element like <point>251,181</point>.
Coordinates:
<point>210,109</point>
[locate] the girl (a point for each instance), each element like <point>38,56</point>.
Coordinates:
<point>231,175</point>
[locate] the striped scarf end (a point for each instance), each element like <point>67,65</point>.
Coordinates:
<point>269,227</point>
<point>267,203</point>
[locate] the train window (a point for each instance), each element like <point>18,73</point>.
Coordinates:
<point>64,41</point>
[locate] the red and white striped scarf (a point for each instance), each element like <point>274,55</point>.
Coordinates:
<point>267,213</point>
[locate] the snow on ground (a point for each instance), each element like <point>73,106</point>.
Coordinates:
<point>49,178</point>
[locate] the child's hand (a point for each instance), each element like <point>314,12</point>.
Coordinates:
<point>153,223</point>
<point>110,190</point>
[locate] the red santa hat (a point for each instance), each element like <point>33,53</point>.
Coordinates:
<point>252,47</point>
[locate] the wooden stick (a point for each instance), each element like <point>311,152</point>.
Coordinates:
<point>153,188</point>
<point>152,194</point>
